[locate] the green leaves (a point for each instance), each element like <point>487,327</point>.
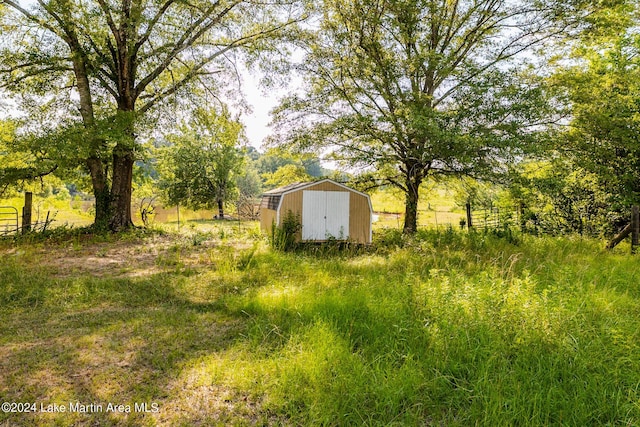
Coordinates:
<point>95,69</point>
<point>602,94</point>
<point>199,167</point>
<point>417,87</point>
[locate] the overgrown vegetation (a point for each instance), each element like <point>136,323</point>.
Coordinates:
<point>440,328</point>
<point>284,237</point>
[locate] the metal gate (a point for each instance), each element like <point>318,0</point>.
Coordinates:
<point>8,220</point>
<point>487,218</point>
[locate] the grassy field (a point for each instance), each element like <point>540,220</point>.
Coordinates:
<point>436,209</point>
<point>61,211</point>
<point>79,213</point>
<point>215,328</point>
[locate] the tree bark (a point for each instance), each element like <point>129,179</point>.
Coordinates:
<point>220,209</point>
<point>100,191</point>
<point>120,212</point>
<point>412,183</point>
<point>95,166</point>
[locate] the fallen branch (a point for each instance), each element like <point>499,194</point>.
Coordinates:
<point>624,233</point>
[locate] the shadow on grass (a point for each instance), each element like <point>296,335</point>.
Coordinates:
<point>418,335</point>
<point>436,336</point>
<point>98,341</point>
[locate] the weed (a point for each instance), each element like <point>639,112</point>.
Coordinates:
<point>441,328</point>
<point>245,257</point>
<point>284,237</point>
<point>172,257</point>
<point>198,238</point>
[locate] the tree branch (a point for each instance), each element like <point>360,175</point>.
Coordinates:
<point>193,33</point>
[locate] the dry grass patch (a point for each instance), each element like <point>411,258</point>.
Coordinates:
<point>443,329</point>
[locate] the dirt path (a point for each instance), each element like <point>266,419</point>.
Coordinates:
<point>125,258</point>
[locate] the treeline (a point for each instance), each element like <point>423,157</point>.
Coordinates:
<point>542,97</point>
<point>205,164</point>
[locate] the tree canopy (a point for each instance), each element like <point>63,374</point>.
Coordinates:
<point>396,91</point>
<point>414,88</point>
<point>200,166</point>
<point>600,88</point>
<point>100,66</point>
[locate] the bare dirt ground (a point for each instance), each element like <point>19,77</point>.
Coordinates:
<point>125,258</point>
<point>96,347</point>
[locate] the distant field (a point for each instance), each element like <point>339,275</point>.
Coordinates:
<point>79,213</point>
<point>75,212</point>
<point>437,208</point>
<point>448,328</point>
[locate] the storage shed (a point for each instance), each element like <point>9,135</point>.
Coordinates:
<point>327,209</point>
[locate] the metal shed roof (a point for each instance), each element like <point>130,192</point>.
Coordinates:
<point>300,185</point>
<point>281,190</point>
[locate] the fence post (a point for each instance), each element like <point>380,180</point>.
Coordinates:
<point>635,228</point>
<point>178,212</point>
<point>26,212</point>
<point>469,223</point>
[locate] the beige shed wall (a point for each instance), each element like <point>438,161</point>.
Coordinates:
<point>267,218</point>
<point>359,218</point>
<point>359,211</point>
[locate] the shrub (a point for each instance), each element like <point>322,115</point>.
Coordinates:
<point>284,237</point>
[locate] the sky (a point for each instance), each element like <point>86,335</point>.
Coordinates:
<point>261,102</point>
<point>257,123</point>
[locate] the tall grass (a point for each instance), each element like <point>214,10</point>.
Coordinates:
<point>452,329</point>
<point>445,328</point>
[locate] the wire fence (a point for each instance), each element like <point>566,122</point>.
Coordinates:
<point>495,218</point>
<point>10,222</point>
<point>490,218</point>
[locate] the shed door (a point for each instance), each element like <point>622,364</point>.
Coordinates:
<point>337,224</point>
<point>314,208</point>
<point>325,214</point>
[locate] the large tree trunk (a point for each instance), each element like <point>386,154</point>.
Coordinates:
<point>220,209</point>
<point>412,184</point>
<point>95,166</point>
<point>100,191</point>
<point>123,153</point>
<point>120,214</point>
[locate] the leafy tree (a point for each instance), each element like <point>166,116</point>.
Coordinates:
<point>199,170</point>
<point>249,187</point>
<point>104,65</point>
<point>602,95</point>
<point>275,158</point>
<point>479,194</point>
<point>19,163</point>
<point>285,175</point>
<point>248,181</point>
<point>414,88</point>
<point>560,197</point>
<point>596,161</point>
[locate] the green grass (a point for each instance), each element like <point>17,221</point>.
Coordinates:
<point>79,213</point>
<point>436,208</point>
<point>443,329</point>
<point>62,211</point>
